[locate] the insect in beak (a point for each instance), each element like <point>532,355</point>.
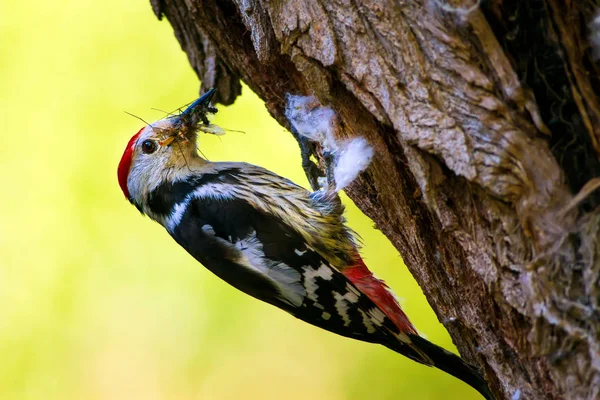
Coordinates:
<point>167,141</point>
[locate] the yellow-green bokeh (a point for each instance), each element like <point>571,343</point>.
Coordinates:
<point>97,302</point>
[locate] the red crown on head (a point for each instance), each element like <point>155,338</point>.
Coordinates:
<point>125,164</point>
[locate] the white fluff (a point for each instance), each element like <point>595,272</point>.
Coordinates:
<point>315,123</point>
<point>353,157</point>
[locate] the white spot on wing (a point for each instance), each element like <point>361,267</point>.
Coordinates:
<point>353,294</point>
<point>287,279</point>
<point>299,252</point>
<point>325,315</point>
<point>367,322</point>
<point>310,281</point>
<point>341,302</point>
<point>342,307</point>
<point>376,315</point>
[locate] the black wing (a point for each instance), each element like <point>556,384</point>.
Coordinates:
<point>264,257</point>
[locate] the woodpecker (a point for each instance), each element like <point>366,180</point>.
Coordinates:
<point>269,238</point>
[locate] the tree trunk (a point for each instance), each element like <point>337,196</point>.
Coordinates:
<point>485,118</point>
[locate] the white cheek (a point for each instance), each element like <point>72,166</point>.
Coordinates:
<point>146,174</point>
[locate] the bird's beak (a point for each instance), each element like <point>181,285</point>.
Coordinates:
<point>200,104</point>
<point>185,125</point>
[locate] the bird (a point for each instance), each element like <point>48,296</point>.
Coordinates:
<point>270,238</point>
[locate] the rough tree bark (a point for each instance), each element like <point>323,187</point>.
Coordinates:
<point>486,123</point>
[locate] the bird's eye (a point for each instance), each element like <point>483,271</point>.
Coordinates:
<point>149,146</point>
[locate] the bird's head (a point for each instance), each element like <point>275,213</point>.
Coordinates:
<point>162,151</point>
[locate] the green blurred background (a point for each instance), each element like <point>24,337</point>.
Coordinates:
<point>97,302</point>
